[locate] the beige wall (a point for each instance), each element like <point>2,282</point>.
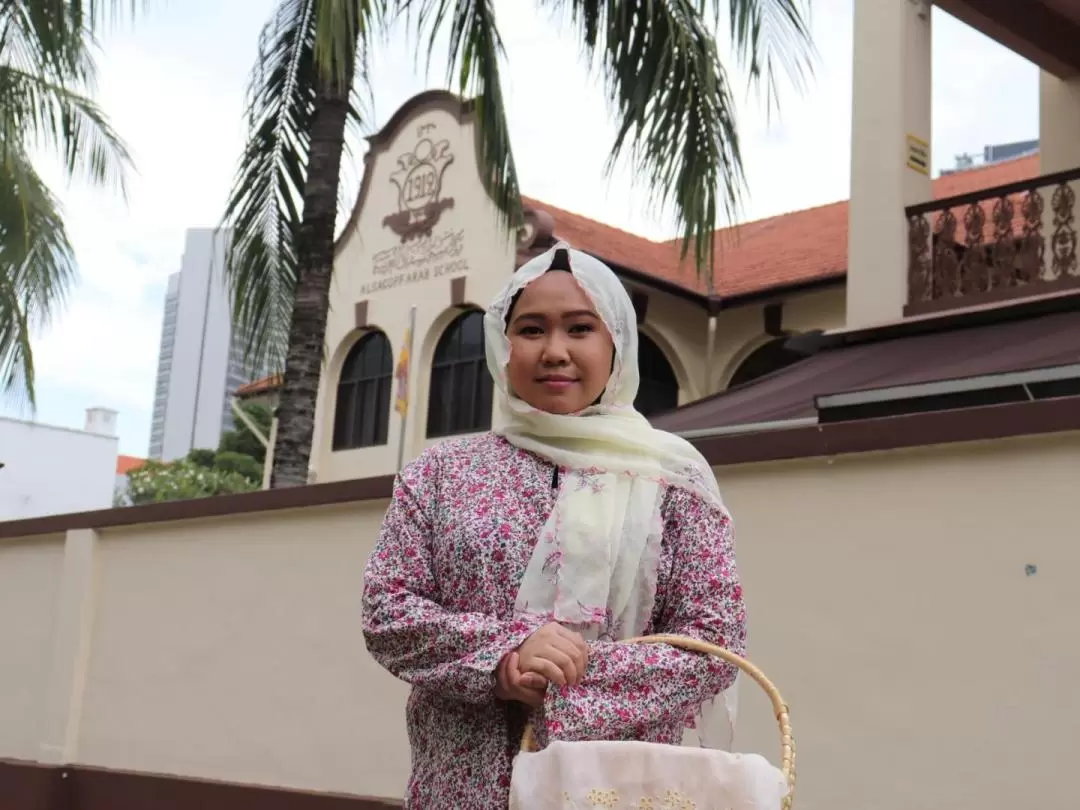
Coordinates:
<point>30,584</point>
<point>228,649</point>
<point>888,599</point>
<point>887,594</point>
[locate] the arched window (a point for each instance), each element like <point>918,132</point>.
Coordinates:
<point>362,408</point>
<point>659,389</point>
<point>461,387</point>
<point>764,360</point>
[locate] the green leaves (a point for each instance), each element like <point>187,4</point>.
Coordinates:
<point>666,82</point>
<point>37,269</point>
<point>304,39</point>
<point>46,74</point>
<point>676,115</point>
<point>156,482</point>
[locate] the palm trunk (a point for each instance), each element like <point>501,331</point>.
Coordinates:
<point>315,261</point>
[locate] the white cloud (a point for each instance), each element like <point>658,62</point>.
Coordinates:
<point>173,84</point>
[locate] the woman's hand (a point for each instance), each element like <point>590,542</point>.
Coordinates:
<point>556,653</point>
<point>513,684</point>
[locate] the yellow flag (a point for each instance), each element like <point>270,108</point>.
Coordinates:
<point>401,404</point>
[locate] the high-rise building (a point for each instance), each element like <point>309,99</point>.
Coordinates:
<point>994,153</point>
<point>165,354</point>
<point>200,361</point>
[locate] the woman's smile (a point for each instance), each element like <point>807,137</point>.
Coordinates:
<point>557,382</point>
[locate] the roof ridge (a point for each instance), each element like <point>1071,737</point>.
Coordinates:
<point>534,201</point>
<point>996,164</point>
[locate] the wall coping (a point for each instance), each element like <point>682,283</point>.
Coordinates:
<point>984,423</point>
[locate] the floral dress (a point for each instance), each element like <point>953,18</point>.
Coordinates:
<point>439,592</point>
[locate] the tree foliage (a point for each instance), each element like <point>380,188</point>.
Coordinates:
<point>46,107</point>
<point>241,440</point>
<point>228,470</point>
<point>157,481</point>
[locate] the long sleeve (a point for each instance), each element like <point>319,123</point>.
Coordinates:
<point>405,628</point>
<point>634,691</point>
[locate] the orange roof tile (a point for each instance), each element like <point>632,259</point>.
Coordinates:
<point>125,464</point>
<point>270,383</point>
<point>781,251</point>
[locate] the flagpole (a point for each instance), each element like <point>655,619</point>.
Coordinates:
<point>404,411</point>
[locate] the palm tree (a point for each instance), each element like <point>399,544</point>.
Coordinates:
<point>663,73</point>
<point>46,80</point>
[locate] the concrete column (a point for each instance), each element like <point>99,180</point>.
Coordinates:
<point>1059,151</point>
<point>1059,123</point>
<point>891,78</point>
<point>71,651</point>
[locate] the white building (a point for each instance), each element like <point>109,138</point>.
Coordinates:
<point>51,470</point>
<point>199,363</point>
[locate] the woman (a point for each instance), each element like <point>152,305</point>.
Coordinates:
<point>509,564</point>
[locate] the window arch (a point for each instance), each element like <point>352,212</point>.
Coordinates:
<point>362,406</point>
<point>763,360</point>
<point>659,388</point>
<point>461,387</point>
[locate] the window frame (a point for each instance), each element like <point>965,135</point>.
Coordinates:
<point>649,384</point>
<point>448,413</point>
<point>353,431</point>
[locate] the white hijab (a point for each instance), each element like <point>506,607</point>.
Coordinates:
<point>595,564</point>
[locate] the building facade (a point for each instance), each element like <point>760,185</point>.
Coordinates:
<point>425,233</point>
<point>164,369</point>
<point>48,470</point>
<point>200,361</point>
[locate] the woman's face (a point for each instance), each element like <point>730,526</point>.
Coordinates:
<point>560,350</point>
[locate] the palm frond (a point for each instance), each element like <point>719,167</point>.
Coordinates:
<point>37,270</point>
<point>54,37</point>
<point>46,75</point>
<point>771,36</point>
<point>95,13</point>
<point>674,109</point>
<point>36,112</point>
<point>673,101</point>
<point>263,212</point>
<point>475,50</point>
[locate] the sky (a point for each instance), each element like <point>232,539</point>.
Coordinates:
<point>173,84</point>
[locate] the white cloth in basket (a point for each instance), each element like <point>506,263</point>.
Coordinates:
<point>643,776</point>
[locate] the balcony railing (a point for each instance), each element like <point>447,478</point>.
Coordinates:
<point>1012,241</point>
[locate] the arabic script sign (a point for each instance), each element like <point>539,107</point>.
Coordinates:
<point>420,259</point>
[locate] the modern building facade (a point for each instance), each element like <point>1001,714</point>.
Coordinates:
<point>200,362</point>
<point>164,370</point>
<point>49,470</point>
<point>994,153</point>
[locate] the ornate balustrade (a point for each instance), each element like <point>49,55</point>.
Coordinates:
<point>1012,241</point>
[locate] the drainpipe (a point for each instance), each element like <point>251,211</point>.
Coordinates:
<point>710,353</point>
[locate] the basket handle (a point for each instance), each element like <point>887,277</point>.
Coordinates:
<point>780,709</point>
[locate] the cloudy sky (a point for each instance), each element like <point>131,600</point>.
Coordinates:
<point>173,84</point>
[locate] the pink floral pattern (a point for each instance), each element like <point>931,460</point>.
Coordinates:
<point>439,592</point>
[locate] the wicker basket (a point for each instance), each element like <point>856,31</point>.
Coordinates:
<point>780,709</point>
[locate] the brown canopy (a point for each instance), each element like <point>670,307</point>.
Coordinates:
<point>1042,341</point>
